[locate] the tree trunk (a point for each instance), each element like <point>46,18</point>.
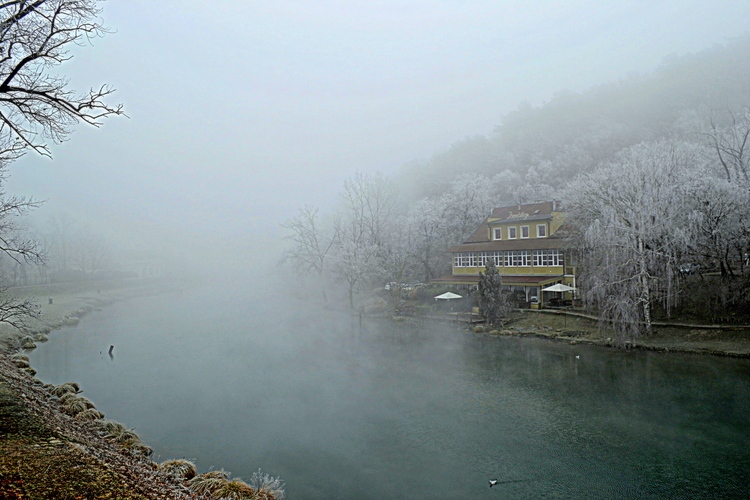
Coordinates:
<point>645,295</point>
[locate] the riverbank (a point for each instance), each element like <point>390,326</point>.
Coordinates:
<point>53,442</point>
<point>717,340</point>
<point>65,304</point>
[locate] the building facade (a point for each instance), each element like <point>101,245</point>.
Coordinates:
<point>526,244</point>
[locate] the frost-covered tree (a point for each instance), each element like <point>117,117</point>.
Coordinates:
<point>631,219</point>
<point>440,222</point>
<point>362,228</point>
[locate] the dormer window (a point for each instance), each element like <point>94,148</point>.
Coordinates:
<point>524,231</point>
<point>497,233</point>
<point>512,233</point>
<point>541,230</point>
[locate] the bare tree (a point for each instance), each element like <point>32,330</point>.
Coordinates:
<point>440,222</point>
<point>732,146</point>
<point>721,222</point>
<point>311,245</point>
<point>36,106</point>
<point>362,229</point>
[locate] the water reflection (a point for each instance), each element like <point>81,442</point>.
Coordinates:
<point>383,409</point>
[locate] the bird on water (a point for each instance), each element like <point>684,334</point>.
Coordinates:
<point>493,482</point>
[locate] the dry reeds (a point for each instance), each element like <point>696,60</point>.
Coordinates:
<point>267,486</point>
<point>90,414</point>
<point>216,484</point>
<point>21,363</point>
<point>235,489</point>
<point>208,483</point>
<point>180,468</point>
<point>141,449</point>
<point>68,387</point>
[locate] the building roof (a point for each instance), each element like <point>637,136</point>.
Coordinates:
<point>497,245</point>
<point>513,213</point>
<point>508,279</point>
<point>520,212</point>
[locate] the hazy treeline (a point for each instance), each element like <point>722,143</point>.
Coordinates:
<point>653,171</point>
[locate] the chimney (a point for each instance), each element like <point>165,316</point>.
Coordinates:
<point>554,206</point>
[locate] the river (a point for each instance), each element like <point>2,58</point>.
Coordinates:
<point>242,380</point>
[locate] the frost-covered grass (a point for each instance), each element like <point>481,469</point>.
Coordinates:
<point>217,484</point>
<point>265,483</point>
<point>182,469</point>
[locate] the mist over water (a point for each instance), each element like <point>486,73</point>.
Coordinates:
<point>243,379</point>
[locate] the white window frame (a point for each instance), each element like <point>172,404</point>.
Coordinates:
<point>497,233</point>
<point>543,228</point>
<point>527,232</point>
<point>512,232</point>
<point>548,258</point>
<point>518,258</point>
<point>498,256</point>
<point>482,258</point>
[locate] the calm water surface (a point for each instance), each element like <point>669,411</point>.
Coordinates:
<point>380,410</point>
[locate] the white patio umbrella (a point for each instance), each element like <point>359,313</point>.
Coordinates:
<point>448,296</point>
<point>558,287</point>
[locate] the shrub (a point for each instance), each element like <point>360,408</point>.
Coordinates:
<point>208,483</point>
<point>375,305</point>
<point>112,428</point>
<point>74,406</point>
<point>268,485</point>
<point>67,397</point>
<point>69,387</point>
<point>19,356</point>
<point>182,469</point>
<point>129,438</point>
<point>90,414</point>
<point>142,449</point>
<point>21,363</point>
<point>234,490</point>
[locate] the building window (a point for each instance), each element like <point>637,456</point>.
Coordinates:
<point>512,233</point>
<point>541,230</point>
<point>497,233</point>
<point>465,259</point>
<point>524,231</point>
<point>519,258</point>
<point>548,258</point>
<point>482,259</point>
<point>498,256</point>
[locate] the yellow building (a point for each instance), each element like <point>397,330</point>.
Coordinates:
<point>526,244</point>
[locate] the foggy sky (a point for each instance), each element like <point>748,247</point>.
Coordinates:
<point>242,111</point>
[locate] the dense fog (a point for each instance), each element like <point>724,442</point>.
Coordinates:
<point>240,114</point>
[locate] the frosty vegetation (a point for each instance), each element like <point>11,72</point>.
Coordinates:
<point>653,171</point>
